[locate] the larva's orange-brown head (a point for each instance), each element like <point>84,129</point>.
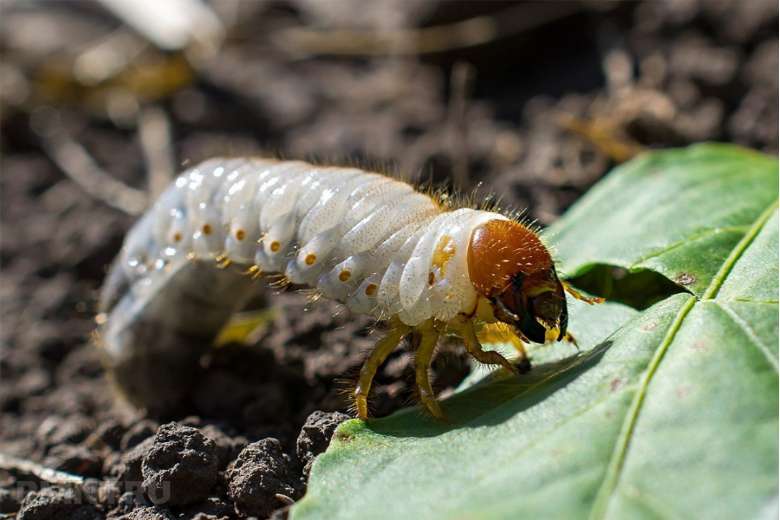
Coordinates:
<point>510,266</point>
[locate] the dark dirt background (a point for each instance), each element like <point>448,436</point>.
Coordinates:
<point>555,95</point>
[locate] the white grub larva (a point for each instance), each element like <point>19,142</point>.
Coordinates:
<point>364,239</point>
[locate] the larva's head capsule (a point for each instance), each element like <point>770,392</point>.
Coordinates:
<point>510,266</point>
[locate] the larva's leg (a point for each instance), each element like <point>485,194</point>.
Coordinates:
<point>524,365</point>
<point>568,337</point>
<point>223,261</point>
<point>378,354</point>
<point>501,333</point>
<point>489,357</point>
<point>519,346</point>
<point>422,360</point>
<point>579,296</point>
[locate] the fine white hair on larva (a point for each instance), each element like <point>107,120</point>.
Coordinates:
<point>364,239</point>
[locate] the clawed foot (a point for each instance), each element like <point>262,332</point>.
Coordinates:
<point>378,354</point>
<point>579,296</point>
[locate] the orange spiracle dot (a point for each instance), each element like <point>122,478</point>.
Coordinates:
<point>206,229</point>
<point>310,259</point>
<point>177,237</point>
<point>240,235</point>
<point>345,275</point>
<point>431,278</point>
<point>275,246</point>
<point>371,289</point>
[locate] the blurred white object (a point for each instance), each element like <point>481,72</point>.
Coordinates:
<point>172,25</point>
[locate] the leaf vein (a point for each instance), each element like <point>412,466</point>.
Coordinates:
<point>624,438</point>
<point>736,253</point>
<point>684,241</point>
<point>653,506</point>
<point>751,334</point>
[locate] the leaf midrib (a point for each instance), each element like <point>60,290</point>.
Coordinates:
<point>615,466</point>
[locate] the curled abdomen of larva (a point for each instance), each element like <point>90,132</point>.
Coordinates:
<point>366,240</point>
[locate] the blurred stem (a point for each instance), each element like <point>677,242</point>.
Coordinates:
<point>154,131</point>
<point>302,41</point>
<point>74,160</point>
<point>461,87</point>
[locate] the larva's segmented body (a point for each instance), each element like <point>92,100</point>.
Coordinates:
<point>364,239</point>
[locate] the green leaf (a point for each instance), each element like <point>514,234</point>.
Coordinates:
<point>679,213</point>
<point>671,412</point>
